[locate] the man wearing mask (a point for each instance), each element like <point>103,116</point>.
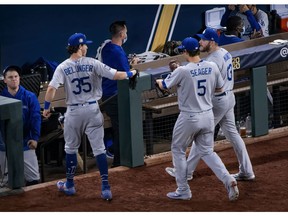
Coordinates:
<point>234,31</point>
<point>113,55</point>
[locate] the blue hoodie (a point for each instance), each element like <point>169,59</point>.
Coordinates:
<point>31,114</point>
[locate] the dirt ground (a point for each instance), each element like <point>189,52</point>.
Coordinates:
<point>145,188</point>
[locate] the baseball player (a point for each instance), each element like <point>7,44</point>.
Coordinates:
<point>196,83</point>
<point>81,77</point>
<point>223,108</point>
<point>31,123</point>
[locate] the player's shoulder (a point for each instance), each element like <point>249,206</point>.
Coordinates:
<point>211,64</point>
<point>87,60</point>
<point>208,62</point>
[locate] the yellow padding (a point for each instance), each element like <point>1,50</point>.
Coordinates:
<point>163,28</point>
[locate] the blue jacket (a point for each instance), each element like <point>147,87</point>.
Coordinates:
<point>115,57</point>
<point>31,114</point>
<point>228,39</point>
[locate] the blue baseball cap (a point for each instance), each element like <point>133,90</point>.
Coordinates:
<point>189,44</point>
<point>12,68</point>
<point>77,39</point>
<point>209,34</point>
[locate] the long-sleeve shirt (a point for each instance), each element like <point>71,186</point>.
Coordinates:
<point>30,113</point>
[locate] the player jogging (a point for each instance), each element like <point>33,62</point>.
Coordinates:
<point>81,77</point>
<point>196,83</point>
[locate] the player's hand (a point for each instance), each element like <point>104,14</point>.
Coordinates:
<point>243,8</point>
<point>46,113</point>
<point>173,64</point>
<point>135,72</point>
<point>32,144</point>
<point>256,34</point>
<point>133,79</point>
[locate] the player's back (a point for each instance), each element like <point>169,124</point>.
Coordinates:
<point>223,59</point>
<point>197,83</point>
<point>81,79</point>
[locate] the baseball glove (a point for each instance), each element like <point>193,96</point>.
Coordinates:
<point>173,64</point>
<point>133,80</point>
<point>160,92</point>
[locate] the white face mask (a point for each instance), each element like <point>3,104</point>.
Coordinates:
<point>243,31</point>
<point>124,40</point>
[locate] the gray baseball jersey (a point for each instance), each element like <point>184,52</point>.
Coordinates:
<point>82,82</point>
<point>223,109</point>
<point>196,84</point>
<point>223,59</point>
<point>82,79</point>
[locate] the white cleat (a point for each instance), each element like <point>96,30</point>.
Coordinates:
<point>233,192</point>
<point>187,195</point>
<point>244,177</point>
<point>171,172</point>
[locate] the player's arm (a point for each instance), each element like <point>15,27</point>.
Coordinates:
<point>252,20</point>
<point>160,84</point>
<point>120,75</point>
<point>219,80</point>
<point>50,94</point>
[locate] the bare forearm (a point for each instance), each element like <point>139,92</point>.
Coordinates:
<point>50,94</point>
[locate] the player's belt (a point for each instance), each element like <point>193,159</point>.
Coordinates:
<point>84,104</point>
<point>220,95</point>
<point>223,94</point>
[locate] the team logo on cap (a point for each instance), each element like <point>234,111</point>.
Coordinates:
<point>81,40</point>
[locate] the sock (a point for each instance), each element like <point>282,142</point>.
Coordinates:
<point>71,165</point>
<point>103,169</point>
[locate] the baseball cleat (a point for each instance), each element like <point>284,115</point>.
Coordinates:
<point>171,172</point>
<point>233,192</point>
<point>243,177</point>
<point>187,195</point>
<point>62,187</point>
<point>106,194</point>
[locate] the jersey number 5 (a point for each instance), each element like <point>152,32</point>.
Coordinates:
<point>82,84</point>
<point>201,87</point>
